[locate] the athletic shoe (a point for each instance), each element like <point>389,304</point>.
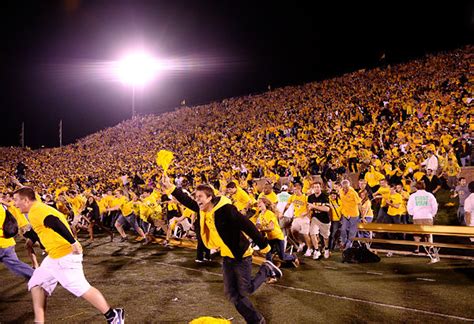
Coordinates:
<point>276,272</point>
<point>316,255</point>
<point>119,317</point>
<point>271,280</point>
<point>308,252</point>
<point>434,260</point>
<point>199,261</point>
<point>300,248</point>
<point>296,262</point>
<point>326,253</point>
<point>207,259</point>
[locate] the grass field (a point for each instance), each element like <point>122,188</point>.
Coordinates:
<point>163,285</point>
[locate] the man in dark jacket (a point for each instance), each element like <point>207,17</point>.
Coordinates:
<point>223,227</point>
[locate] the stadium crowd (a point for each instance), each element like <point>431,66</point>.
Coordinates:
<point>404,123</point>
<point>304,164</point>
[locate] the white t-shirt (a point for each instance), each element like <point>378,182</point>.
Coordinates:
<point>469,207</point>
<point>422,205</point>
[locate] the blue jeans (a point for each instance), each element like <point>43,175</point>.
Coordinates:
<point>348,230</point>
<point>460,213</point>
<point>239,284</point>
<point>334,238</point>
<point>279,247</point>
<point>365,234</point>
<point>382,216</point>
<point>10,260</point>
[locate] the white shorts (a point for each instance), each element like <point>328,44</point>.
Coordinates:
<point>300,225</point>
<point>66,270</point>
<point>317,227</point>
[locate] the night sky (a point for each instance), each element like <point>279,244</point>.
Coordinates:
<point>51,52</point>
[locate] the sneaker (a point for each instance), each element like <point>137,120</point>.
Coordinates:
<point>296,262</point>
<point>316,255</point>
<point>300,248</point>
<point>309,252</point>
<point>416,251</point>
<point>434,260</point>
<point>207,259</point>
<point>119,317</point>
<point>271,280</point>
<point>276,272</point>
<point>199,261</point>
<point>326,253</point>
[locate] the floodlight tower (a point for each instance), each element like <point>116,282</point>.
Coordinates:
<point>137,69</point>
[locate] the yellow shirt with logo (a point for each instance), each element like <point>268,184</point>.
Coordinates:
<point>300,204</point>
<point>396,199</point>
<point>335,206</point>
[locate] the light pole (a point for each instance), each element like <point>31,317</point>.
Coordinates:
<point>137,69</point>
<point>133,101</point>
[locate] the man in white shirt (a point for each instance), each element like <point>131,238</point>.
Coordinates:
<point>469,207</point>
<point>423,206</point>
<point>431,162</point>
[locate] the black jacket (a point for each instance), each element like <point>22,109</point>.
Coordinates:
<point>230,224</point>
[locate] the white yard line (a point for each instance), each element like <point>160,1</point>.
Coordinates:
<point>415,310</point>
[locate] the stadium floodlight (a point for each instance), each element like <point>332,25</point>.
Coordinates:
<point>137,69</point>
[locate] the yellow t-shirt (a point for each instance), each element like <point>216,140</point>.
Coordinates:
<point>300,204</point>
<point>373,178</point>
<point>209,234</point>
<point>241,199</point>
<point>77,203</point>
<point>335,206</point>
<point>21,220</point>
<point>396,199</point>
<point>405,196</point>
<point>265,219</point>
<point>366,209</point>
<point>385,193</point>
<point>272,197</point>
<point>350,203</point>
<point>56,246</point>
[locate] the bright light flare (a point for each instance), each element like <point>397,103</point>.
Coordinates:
<point>138,68</point>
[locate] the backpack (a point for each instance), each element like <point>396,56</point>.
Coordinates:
<point>359,255</point>
<point>10,225</point>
